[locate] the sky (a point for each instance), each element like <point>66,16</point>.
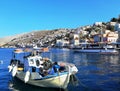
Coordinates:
<point>21,16</point>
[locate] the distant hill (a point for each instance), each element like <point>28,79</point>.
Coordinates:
<point>32,38</point>
<point>7,39</point>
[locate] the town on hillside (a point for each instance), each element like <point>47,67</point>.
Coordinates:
<point>100,32</point>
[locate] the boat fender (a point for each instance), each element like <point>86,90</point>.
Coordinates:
<point>27,76</point>
<point>14,71</point>
<point>74,70</point>
<point>10,68</point>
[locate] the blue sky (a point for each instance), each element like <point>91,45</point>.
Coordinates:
<point>19,16</point>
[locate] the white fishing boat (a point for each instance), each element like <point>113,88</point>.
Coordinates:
<point>94,48</point>
<point>38,71</point>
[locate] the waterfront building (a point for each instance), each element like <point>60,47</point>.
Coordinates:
<point>62,43</point>
<point>108,37</point>
<point>76,39</point>
<point>112,37</point>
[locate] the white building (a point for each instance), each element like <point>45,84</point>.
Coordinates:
<point>117,27</point>
<point>98,23</point>
<point>111,36</point>
<point>112,23</point>
<point>62,42</point>
<point>84,32</point>
<point>76,39</point>
<point>59,42</point>
<point>108,37</point>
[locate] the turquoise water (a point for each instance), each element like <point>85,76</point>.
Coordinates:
<point>97,72</point>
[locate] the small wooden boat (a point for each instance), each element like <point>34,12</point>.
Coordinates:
<point>42,72</point>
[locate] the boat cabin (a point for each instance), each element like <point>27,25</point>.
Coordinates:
<point>35,61</point>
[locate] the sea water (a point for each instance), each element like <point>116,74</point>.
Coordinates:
<point>96,72</point>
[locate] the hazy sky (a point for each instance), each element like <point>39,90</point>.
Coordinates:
<point>19,16</point>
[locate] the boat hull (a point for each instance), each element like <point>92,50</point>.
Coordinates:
<point>60,81</point>
<point>95,50</point>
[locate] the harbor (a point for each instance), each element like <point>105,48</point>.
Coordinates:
<point>59,45</point>
<point>98,73</point>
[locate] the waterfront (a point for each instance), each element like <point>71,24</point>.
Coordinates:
<point>97,72</point>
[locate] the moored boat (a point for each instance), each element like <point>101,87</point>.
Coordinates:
<point>38,71</point>
<point>94,48</point>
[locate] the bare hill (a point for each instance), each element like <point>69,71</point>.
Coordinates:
<point>7,39</point>
<point>33,38</point>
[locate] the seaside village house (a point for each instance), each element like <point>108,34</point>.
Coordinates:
<point>107,37</point>
<point>62,42</point>
<point>76,39</point>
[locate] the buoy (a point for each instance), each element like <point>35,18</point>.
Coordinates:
<point>1,62</point>
<point>27,76</point>
<point>14,71</point>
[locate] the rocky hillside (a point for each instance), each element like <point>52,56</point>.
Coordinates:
<point>48,37</point>
<point>5,40</point>
<point>39,38</point>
